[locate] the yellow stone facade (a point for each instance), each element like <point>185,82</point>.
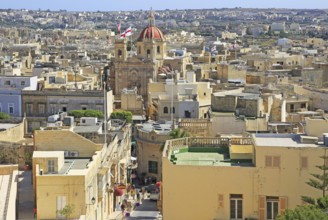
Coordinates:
<point>277,175</point>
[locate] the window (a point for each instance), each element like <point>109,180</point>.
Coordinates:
<point>158,49</point>
<point>52,108</point>
<point>166,110</point>
<point>303,105</point>
<point>204,93</point>
<point>173,110</point>
<point>0,107</point>
<point>64,108</point>
<point>52,79</point>
<point>42,108</point>
<point>152,166</point>
<point>22,83</point>
<point>7,82</point>
<point>148,53</point>
<point>11,108</point>
<point>51,166</point>
<point>119,53</point>
<point>272,204</point>
<point>236,206</point>
<point>139,50</point>
<point>272,161</point>
<point>291,107</point>
<point>29,108</point>
<point>84,107</point>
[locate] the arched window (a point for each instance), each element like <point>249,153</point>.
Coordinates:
<point>166,110</point>
<point>158,49</point>
<point>119,53</point>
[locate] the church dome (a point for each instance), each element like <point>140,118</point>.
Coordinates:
<point>151,32</point>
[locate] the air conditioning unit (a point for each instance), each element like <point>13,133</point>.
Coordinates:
<point>66,154</point>
<point>74,154</point>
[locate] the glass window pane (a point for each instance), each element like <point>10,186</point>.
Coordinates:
<point>240,209</point>
<point>232,209</point>
<point>269,210</point>
<point>275,209</point>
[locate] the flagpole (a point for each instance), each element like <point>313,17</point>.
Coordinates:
<point>120,28</point>
<point>131,42</point>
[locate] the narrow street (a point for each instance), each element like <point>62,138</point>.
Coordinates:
<point>25,196</point>
<point>147,210</point>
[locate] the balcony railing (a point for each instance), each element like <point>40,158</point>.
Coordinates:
<point>190,142</point>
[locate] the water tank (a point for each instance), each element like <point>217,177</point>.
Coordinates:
<point>53,118</point>
<point>68,121</point>
<point>325,139</point>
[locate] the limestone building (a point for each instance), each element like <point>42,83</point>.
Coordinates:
<point>255,178</point>
<point>135,68</point>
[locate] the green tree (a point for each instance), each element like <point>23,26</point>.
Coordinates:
<point>86,113</point>
<point>175,133</point>
<point>4,115</point>
<point>123,115</point>
<point>307,212</point>
<point>320,181</point>
<point>67,211</point>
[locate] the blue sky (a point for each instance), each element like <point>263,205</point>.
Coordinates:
<point>127,5</point>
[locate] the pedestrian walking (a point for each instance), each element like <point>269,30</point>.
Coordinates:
<point>122,208</point>
<point>133,192</point>
<point>138,196</point>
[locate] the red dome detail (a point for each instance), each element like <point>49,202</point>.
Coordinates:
<point>151,32</point>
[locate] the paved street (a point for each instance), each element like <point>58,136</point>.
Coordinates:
<point>25,196</point>
<point>147,210</point>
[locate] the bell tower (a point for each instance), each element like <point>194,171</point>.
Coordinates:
<point>120,50</point>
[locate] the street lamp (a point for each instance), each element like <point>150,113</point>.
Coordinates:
<point>93,201</point>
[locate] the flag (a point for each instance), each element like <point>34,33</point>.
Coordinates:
<point>118,26</point>
<point>127,32</point>
<point>213,49</point>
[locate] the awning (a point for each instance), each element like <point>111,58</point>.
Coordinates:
<point>118,192</point>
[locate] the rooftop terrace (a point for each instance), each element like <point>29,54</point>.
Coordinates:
<point>210,151</point>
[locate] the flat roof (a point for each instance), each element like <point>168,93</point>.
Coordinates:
<point>207,159</point>
<point>74,164</point>
<point>88,129</point>
<point>48,154</point>
<point>156,126</point>
<point>280,140</point>
<point>7,126</point>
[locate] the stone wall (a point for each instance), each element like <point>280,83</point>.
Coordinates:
<point>15,153</point>
<point>13,134</point>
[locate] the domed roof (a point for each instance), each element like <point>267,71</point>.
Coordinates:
<point>151,32</point>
